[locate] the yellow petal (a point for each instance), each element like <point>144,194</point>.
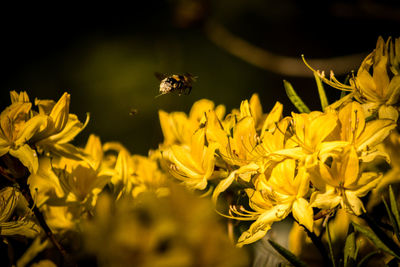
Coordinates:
<point>225,183</point>
<point>260,227</point>
<point>199,108</point>
<point>94,149</point>
<point>21,97</point>
<point>4,146</point>
<point>367,182</point>
<point>303,213</point>
<point>27,156</point>
<point>245,109</point>
<point>60,112</point>
<point>273,117</point>
<point>198,145</point>
<point>319,129</point>
<point>44,105</point>
<point>71,129</point>
<point>326,200</point>
<point>352,121</point>
<point>393,90</point>
<point>350,167</point>
<point>353,203</point>
<point>367,86</point>
<point>209,160</point>
<point>247,237</point>
<point>375,132</point>
<point>256,108</point>
<point>388,112</point>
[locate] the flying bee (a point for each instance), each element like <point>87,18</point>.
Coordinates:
<point>181,84</point>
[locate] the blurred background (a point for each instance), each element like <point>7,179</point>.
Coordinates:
<point>106,56</point>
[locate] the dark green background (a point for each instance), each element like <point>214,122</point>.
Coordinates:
<point>105,56</point>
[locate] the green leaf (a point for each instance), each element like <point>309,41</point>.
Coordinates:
<point>321,92</point>
<point>391,217</point>
<point>395,211</point>
<point>287,254</point>
<point>374,238</point>
<point>19,228</point>
<point>364,260</point>
<point>294,98</point>
<point>8,201</point>
<point>350,250</point>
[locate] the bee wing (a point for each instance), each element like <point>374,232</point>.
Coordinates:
<point>190,77</point>
<point>160,76</point>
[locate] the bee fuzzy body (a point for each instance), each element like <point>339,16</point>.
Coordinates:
<point>181,84</point>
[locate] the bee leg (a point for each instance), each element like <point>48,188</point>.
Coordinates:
<point>189,90</point>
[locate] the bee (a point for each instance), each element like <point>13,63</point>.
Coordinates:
<point>181,84</point>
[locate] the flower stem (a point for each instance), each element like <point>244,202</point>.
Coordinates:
<point>24,188</point>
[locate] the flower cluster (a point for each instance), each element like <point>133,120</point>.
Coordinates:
<point>300,164</point>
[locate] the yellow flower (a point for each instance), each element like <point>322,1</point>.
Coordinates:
<point>273,199</point>
<point>378,90</point>
<point>310,137</point>
<point>72,182</point>
<point>381,88</point>
<point>17,127</point>
<point>364,136</point>
<point>178,128</point>
<point>342,182</point>
<point>60,129</point>
<point>194,164</point>
<point>23,130</point>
